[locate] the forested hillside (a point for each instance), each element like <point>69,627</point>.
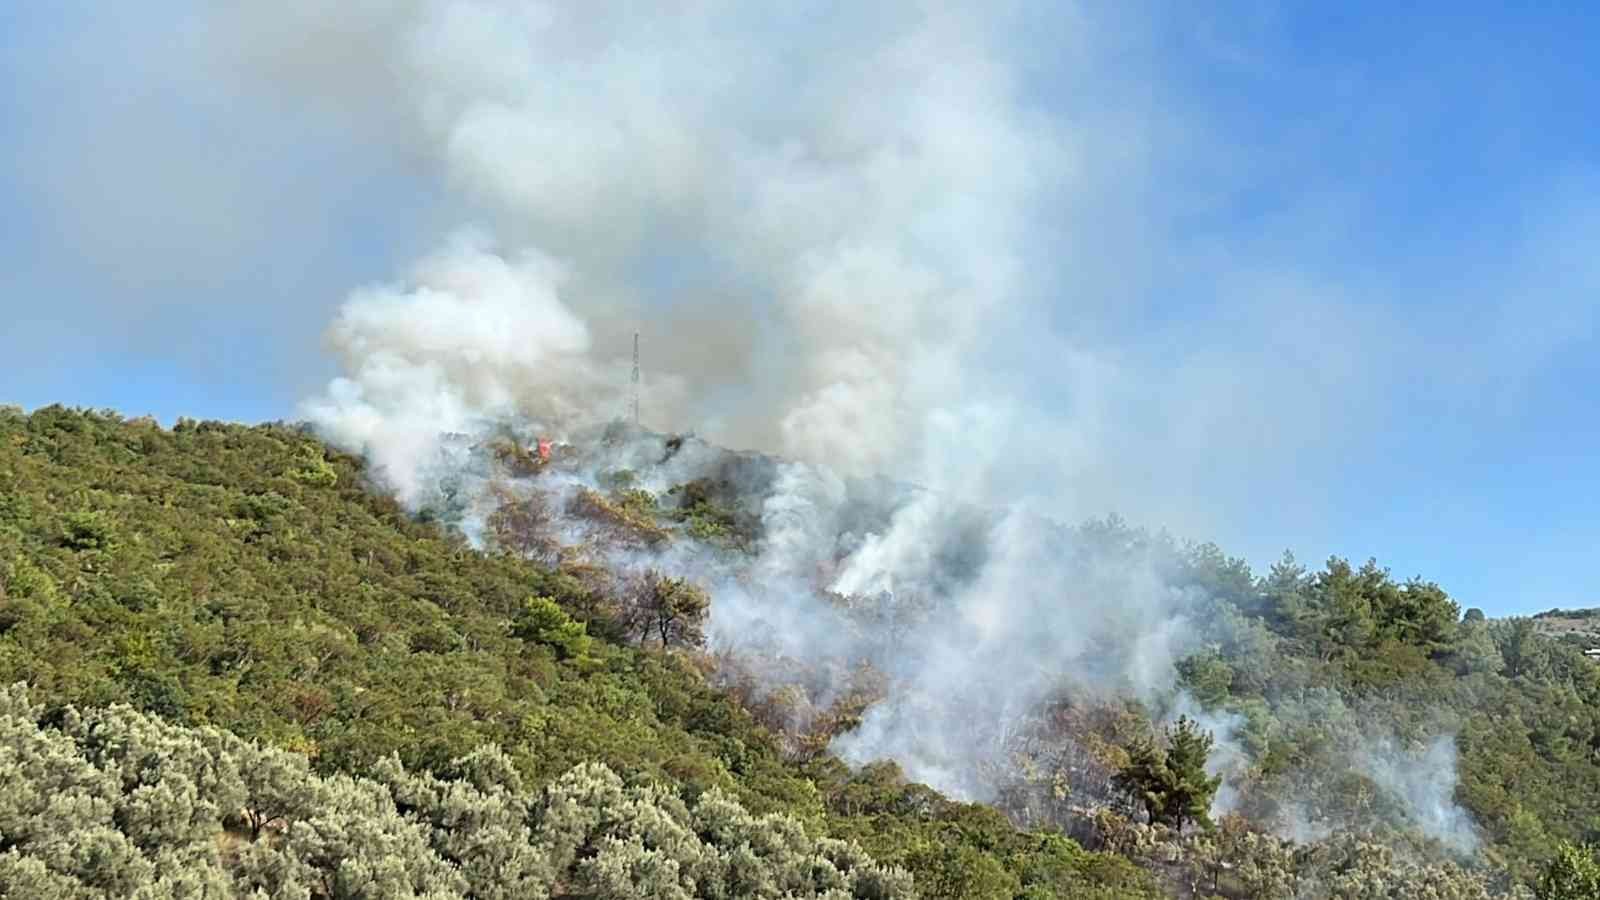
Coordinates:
<point>332,698</point>
<point>246,579</point>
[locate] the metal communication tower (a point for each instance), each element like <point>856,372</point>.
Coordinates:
<point>636,379</point>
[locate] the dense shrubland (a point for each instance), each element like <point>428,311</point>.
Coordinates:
<point>114,803</point>
<point>244,586</point>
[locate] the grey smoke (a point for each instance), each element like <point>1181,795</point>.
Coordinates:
<point>864,231</point>
<point>1423,781</point>
<point>831,233</point>
<point>1032,619</point>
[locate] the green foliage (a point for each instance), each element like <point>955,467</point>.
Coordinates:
<point>542,620</point>
<point>1208,677</point>
<point>87,529</point>
<point>1170,783</point>
<point>113,803</point>
<point>22,579</point>
<point>1190,792</point>
<point>1573,873</point>
<point>313,469</point>
<point>637,501</point>
<point>702,510</point>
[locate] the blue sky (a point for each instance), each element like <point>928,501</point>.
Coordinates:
<point>1409,198</point>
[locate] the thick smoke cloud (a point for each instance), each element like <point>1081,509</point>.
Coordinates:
<point>829,230</point>
<point>471,336</point>
<point>826,226</point>
<point>1024,613</point>
<point>197,184</point>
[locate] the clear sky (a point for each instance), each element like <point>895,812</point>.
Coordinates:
<point>1409,197</point>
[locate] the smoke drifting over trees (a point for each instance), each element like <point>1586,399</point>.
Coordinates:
<point>974,622</point>
<point>950,279</point>
<point>832,230</point>
<point>837,278</point>
<point>245,576</point>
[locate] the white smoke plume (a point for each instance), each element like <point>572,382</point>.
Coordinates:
<point>819,271</point>
<point>830,228</point>
<point>1423,782</point>
<point>1026,612</point>
<point>470,336</point>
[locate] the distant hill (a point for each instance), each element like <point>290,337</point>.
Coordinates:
<point>1581,625</point>
<point>1584,614</point>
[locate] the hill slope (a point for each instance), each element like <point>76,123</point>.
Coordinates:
<point>1579,626</point>
<point>248,579</point>
<point>245,578</point>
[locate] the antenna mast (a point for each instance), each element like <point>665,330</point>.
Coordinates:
<point>636,379</point>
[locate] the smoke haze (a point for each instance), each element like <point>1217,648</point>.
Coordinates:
<point>848,240</point>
